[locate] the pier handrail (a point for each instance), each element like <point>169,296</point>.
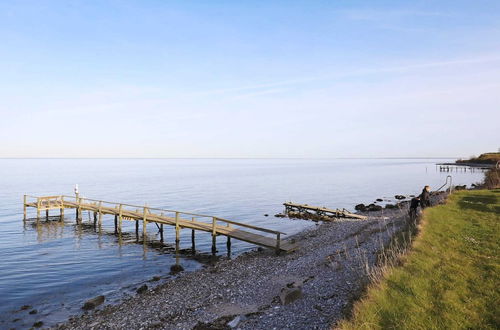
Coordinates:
<point>446,182</point>
<point>270,231</point>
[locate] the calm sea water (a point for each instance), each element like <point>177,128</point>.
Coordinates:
<point>55,266</point>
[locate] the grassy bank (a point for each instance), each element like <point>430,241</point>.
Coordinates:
<point>450,279</point>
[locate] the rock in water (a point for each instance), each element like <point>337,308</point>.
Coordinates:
<point>93,303</point>
<point>390,206</point>
<point>360,207</point>
<point>174,269</point>
<point>142,289</point>
<point>289,295</point>
<point>373,207</point>
<point>379,199</point>
<point>37,324</point>
<point>399,197</point>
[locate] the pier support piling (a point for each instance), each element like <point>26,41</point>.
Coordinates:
<point>116,224</point>
<point>193,244</point>
<point>24,207</point>
<point>47,214</point>
<point>214,244</point>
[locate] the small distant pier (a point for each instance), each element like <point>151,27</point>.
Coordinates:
<point>160,217</point>
<point>463,167</point>
<point>321,211</point>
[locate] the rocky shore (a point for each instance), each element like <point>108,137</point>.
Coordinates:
<point>311,288</point>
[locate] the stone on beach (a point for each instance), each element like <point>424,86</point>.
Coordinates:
<point>142,289</point>
<point>93,303</point>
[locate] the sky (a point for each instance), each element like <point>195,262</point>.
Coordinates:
<point>249,79</point>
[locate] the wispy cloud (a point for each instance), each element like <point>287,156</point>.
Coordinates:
<point>272,87</point>
<point>387,15</point>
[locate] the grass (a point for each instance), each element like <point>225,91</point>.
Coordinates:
<point>451,277</point>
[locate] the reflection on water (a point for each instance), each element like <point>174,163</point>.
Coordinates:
<point>54,265</point>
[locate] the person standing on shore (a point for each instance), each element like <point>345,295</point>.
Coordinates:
<point>425,197</point>
<point>415,202</point>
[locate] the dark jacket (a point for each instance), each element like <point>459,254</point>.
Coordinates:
<point>425,198</point>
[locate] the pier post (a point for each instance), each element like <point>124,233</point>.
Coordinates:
<point>78,210</point>
<point>214,235</point>
<point>47,214</point>
<point>37,208</point>
<point>214,244</point>
<point>144,223</point>
<point>193,244</point>
<point>177,228</point>
<point>100,214</point>
<point>120,220</point>
<point>95,219</point>
<point>24,208</point>
<point>228,245</point>
<point>161,229</point>
<point>137,230</point>
<point>116,224</point>
<point>61,210</point>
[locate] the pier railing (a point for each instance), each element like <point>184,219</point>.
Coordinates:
<point>179,219</point>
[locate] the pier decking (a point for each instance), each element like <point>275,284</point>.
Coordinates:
<point>180,220</point>
<point>322,211</point>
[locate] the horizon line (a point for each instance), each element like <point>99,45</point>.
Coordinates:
<point>305,158</point>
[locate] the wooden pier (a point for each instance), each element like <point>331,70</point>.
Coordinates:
<point>322,211</point>
<point>180,220</point>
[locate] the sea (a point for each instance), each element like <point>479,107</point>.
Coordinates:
<point>49,268</point>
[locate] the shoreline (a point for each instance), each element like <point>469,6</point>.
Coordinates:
<point>312,287</point>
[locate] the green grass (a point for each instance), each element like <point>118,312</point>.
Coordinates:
<point>451,277</point>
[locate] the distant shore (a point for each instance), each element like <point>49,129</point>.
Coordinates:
<point>312,287</point>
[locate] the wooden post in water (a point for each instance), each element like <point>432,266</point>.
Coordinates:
<point>47,214</point>
<point>100,215</point>
<point>161,229</point>
<point>79,216</point>
<point>144,223</point>
<point>214,235</point>
<point>228,243</point>
<point>61,210</point>
<point>24,208</point>
<point>177,229</point>
<point>116,224</point>
<point>120,219</point>
<point>95,219</point>
<point>37,209</point>
<point>193,247</point>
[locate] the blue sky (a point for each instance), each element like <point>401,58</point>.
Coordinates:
<point>249,78</point>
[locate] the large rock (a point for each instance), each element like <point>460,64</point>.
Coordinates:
<point>360,207</point>
<point>143,288</point>
<point>400,197</point>
<point>93,303</point>
<point>373,207</point>
<point>289,295</point>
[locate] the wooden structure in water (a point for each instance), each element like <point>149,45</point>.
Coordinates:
<point>321,211</point>
<point>180,220</point>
